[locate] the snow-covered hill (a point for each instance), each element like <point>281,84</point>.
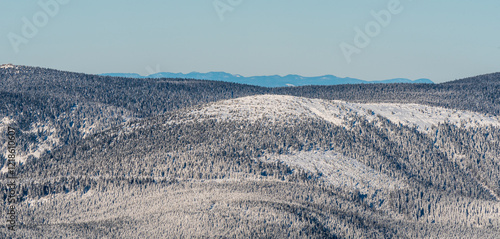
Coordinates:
<point>280,107</point>
<point>334,168</point>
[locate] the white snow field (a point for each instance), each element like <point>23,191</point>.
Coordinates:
<point>338,170</point>
<point>280,108</point>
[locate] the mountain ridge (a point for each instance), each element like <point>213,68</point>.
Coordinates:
<point>270,80</point>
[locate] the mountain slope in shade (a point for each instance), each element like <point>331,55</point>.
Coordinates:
<point>270,81</point>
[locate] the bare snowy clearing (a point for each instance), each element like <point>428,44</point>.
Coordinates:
<point>338,170</point>
<point>277,107</point>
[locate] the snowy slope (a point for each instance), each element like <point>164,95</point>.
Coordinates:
<point>279,107</point>
<point>338,170</point>
<point>10,66</point>
<point>46,134</point>
<point>424,117</point>
<point>273,107</point>
<point>335,168</point>
<point>47,139</point>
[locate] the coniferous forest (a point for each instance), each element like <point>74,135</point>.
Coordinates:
<point>110,157</point>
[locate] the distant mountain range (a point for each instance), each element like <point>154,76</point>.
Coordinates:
<point>270,81</point>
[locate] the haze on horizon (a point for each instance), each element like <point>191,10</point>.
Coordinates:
<point>384,39</point>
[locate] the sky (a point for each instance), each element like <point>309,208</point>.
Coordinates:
<point>442,40</point>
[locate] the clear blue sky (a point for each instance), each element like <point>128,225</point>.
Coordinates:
<point>441,40</point>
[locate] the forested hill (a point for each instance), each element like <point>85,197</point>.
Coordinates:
<point>149,97</point>
<point>143,97</point>
<point>492,79</point>
<point>163,158</point>
<point>59,108</point>
<point>52,108</point>
<point>480,93</point>
<point>270,81</point>
<point>273,166</point>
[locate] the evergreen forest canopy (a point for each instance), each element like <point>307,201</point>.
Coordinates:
<point>160,158</point>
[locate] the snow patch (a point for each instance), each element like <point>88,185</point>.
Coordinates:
<point>7,66</point>
<point>4,124</point>
<point>424,117</point>
<point>338,170</point>
<point>47,141</point>
<point>273,107</point>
